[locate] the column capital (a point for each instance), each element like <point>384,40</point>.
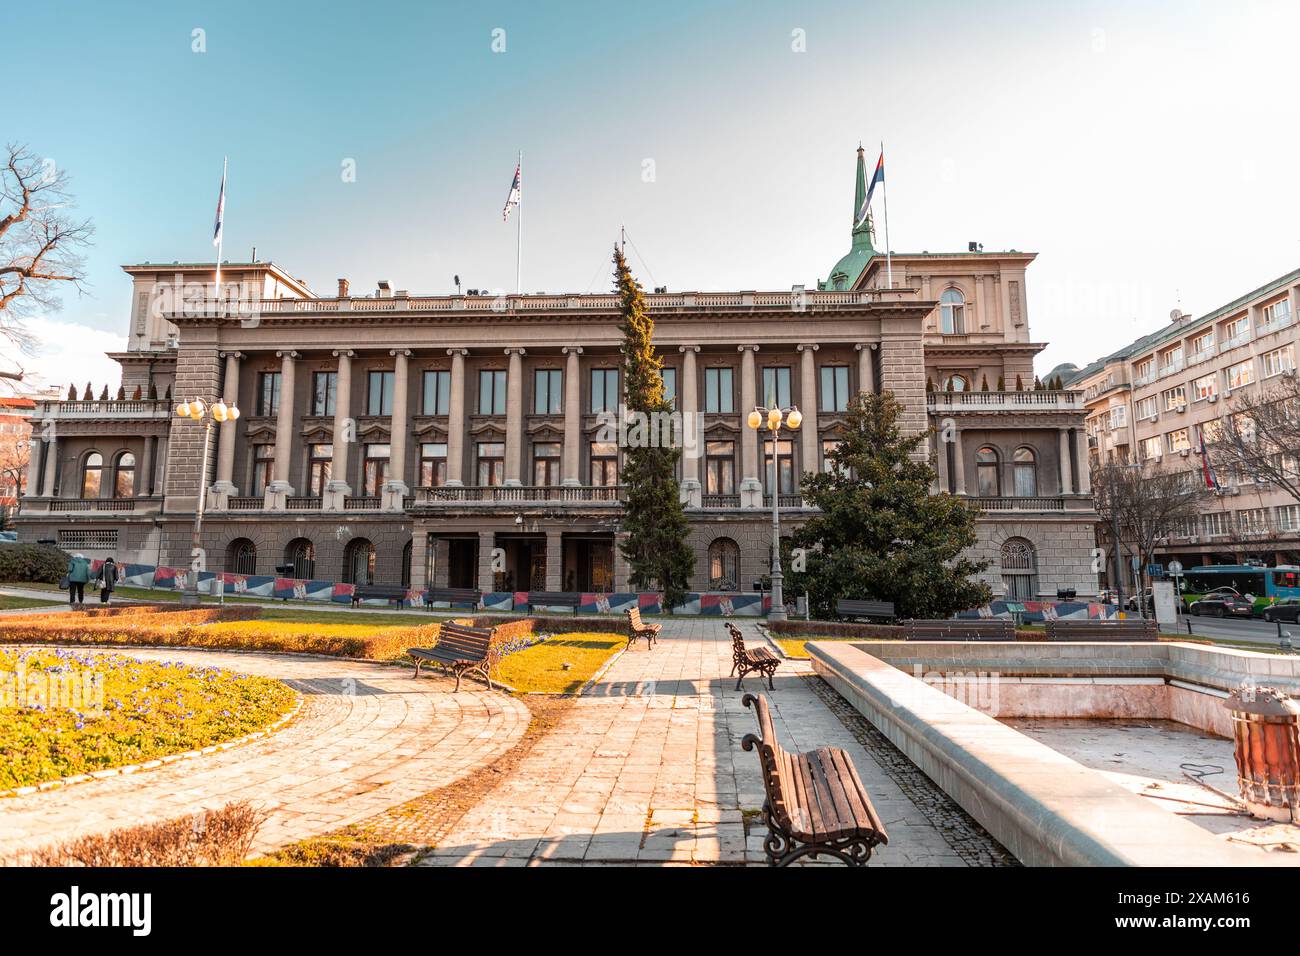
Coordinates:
<point>516,350</point>
<point>404,352</point>
<point>461,352</point>
<point>231,355</point>
<point>867,345</point>
<point>688,348</point>
<point>575,349</point>
<point>344,353</point>
<point>289,354</point>
<point>746,348</point>
<point>811,348</point>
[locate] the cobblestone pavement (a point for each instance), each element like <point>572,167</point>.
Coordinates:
<point>647,768</point>
<point>368,738</point>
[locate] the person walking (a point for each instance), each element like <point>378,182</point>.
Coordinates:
<point>78,575</point>
<point>107,580</point>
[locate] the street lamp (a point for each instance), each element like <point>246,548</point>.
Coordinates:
<point>772,417</point>
<point>197,410</point>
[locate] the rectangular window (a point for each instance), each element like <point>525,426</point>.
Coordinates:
<point>720,467</point>
<point>1236,331</point>
<point>829,447</point>
<point>263,468</point>
<point>491,392</point>
<point>776,387</point>
<point>437,392</point>
<point>718,391</point>
<point>546,463</point>
<point>1205,386</point>
<point>1174,399</point>
<point>1277,313</point>
<point>835,388</point>
<point>433,464</point>
<point>1216,523</point>
<point>1278,361</point>
<point>491,463</point>
<point>784,466</point>
<point>380,398</point>
<point>375,472</point>
<point>1150,448</point>
<point>548,391</point>
<point>1241,374</point>
<point>1118,416</point>
<point>268,393</point>
<point>604,390</point>
<point>1203,343</point>
<point>324,385</point>
<point>1147,408</point>
<point>669,376</point>
<point>320,461</point>
<point>1171,360</point>
<point>1288,517</point>
<point>1144,370</point>
<point>604,463</point>
<point>1179,440</point>
<point>1253,521</point>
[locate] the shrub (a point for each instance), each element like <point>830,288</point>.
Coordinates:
<point>37,563</point>
<point>221,837</point>
<point>336,851</point>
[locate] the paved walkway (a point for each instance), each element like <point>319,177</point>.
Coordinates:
<point>368,738</point>
<point>648,768</point>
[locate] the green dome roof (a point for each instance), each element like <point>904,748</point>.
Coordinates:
<point>847,271</point>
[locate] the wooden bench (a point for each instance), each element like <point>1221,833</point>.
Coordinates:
<point>461,649</point>
<point>961,629</point>
<point>638,628</point>
<point>745,659</point>
<point>816,804</point>
<point>538,599</point>
<point>1103,630</point>
<point>453,596</point>
<point>871,610</point>
<point>388,592</point>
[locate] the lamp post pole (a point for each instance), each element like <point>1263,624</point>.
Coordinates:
<point>773,416</point>
<point>197,411</point>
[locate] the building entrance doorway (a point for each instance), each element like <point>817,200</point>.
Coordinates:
<point>589,563</point>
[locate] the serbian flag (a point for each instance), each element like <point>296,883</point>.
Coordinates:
<point>512,199</point>
<point>1207,469</point>
<point>221,208</point>
<point>877,177</point>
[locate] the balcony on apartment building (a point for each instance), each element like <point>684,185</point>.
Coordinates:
<point>1027,401</point>
<point>1037,504</point>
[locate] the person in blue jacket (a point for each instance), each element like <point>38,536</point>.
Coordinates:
<point>78,575</point>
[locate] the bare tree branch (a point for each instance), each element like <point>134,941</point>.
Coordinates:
<point>1260,438</point>
<point>1149,503</point>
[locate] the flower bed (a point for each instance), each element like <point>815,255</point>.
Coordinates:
<point>65,712</point>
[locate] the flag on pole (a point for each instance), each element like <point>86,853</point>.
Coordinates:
<point>877,177</point>
<point>512,200</point>
<point>1207,469</point>
<point>221,209</point>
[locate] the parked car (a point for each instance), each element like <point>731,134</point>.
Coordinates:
<point>1287,610</point>
<point>1223,605</point>
<point>1148,598</point>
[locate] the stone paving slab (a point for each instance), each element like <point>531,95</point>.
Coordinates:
<point>647,768</point>
<point>368,737</point>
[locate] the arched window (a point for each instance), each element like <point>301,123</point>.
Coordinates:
<point>1019,569</point>
<point>1025,472</point>
<point>241,557</point>
<point>986,472</point>
<point>92,472</point>
<point>952,312</point>
<point>359,562</point>
<point>301,554</point>
<point>406,565</point>
<point>955,383</point>
<point>124,476</point>
<point>724,565</point>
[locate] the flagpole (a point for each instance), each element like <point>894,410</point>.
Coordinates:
<point>222,234</point>
<point>519,225</point>
<point>889,259</point>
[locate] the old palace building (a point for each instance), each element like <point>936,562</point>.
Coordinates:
<point>402,438</point>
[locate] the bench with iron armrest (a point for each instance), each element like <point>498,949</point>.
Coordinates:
<point>538,599</point>
<point>961,629</point>
<point>453,596</point>
<point>816,804</point>
<point>746,659</point>
<point>1103,631</point>
<point>871,610</point>
<point>460,649</point>
<point>637,628</point>
<point>392,593</point>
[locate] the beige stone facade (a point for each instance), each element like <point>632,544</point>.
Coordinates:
<point>1147,403</point>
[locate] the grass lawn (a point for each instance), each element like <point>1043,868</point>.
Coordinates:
<point>9,602</point>
<point>66,712</point>
<point>541,668</point>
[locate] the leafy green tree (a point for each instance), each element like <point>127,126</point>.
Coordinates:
<point>654,519</point>
<point>880,534</point>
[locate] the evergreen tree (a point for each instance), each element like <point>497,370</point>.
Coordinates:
<point>984,383</point>
<point>121,393</point>
<point>654,519</point>
<point>135,396</point>
<point>1002,384</point>
<point>153,392</point>
<point>1020,383</point>
<point>879,533</point>
<point>72,393</point>
<point>88,394</point>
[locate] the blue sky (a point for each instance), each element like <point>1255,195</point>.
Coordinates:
<point>1145,151</point>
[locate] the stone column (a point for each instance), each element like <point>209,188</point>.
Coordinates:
<point>958,461</point>
<point>751,488</point>
<point>35,450</point>
<point>224,486</point>
<point>622,567</point>
<point>866,374</point>
<point>572,465</point>
<point>345,432</point>
<point>1064,435</point>
<point>554,557</point>
<point>419,561</point>
<point>279,489</point>
<point>456,419</point>
<point>395,488</point>
<point>692,431</point>
<point>51,465</point>
<point>144,470</point>
<point>514,417</point>
<point>1083,482</point>
<point>808,430</point>
<point>486,542</point>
